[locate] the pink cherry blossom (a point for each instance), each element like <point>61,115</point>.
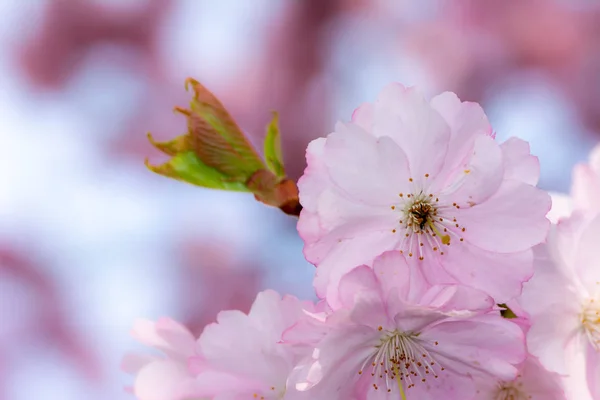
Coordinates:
<point>563,302</point>
<point>161,378</point>
<point>427,179</point>
<point>534,382</point>
<point>562,207</point>
<point>243,356</point>
<point>394,334</point>
<point>585,188</point>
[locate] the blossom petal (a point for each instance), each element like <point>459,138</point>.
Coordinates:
<point>178,336</point>
<point>587,260</point>
<point>404,115</point>
<point>394,274</point>
<point>513,219</point>
<point>315,178</point>
<point>369,170</point>
<point>446,386</point>
<point>461,350</point>
<point>499,275</point>
<point>346,254</point>
<point>562,206</point>
<point>457,298</point>
<point>519,164</point>
<point>547,340</point>
<point>363,116</point>
<point>481,177</point>
<point>549,286</point>
<point>169,336</point>
<point>132,363</point>
<point>466,120</point>
<point>585,187</point>
<point>593,370</point>
<point>160,380</point>
<point>339,358</point>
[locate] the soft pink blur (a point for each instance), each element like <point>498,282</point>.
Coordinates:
<point>90,240</point>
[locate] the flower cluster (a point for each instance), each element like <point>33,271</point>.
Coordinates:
<point>438,273</point>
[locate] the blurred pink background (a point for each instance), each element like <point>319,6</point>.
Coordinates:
<point>91,240</point>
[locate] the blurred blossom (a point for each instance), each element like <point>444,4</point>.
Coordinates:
<point>90,240</point>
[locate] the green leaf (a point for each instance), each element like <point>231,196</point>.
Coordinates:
<point>173,146</point>
<point>272,146</point>
<point>507,312</point>
<point>187,167</point>
<point>216,138</point>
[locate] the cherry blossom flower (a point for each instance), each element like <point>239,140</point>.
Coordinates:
<point>161,378</point>
<point>243,356</point>
<point>562,207</point>
<point>534,382</point>
<point>429,180</point>
<point>395,337</point>
<point>585,188</point>
<point>563,302</point>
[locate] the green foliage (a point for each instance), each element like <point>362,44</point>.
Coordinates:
<point>272,148</point>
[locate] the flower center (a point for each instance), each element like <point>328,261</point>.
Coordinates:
<point>426,223</point>
<point>590,321</point>
<point>400,360</point>
<point>508,391</point>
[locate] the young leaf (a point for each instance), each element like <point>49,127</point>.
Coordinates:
<point>187,167</point>
<point>272,148</point>
<point>216,138</point>
<point>172,147</point>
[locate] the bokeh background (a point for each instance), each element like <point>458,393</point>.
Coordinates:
<point>91,240</point>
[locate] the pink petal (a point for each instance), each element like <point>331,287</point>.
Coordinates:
<point>367,170</point>
<point>340,357</point>
<point>357,285</point>
<point>593,371</point>
<point>447,386</point>
<point>481,178</point>
<point>147,332</point>
<point>363,116</point>
<point>344,256</point>
<point>547,340</point>
<point>132,363</point>
<point>456,298</point>
<point>587,260</point>
<point>481,345</point>
<point>466,120</point>
<point>412,318</point>
<point>216,384</point>
<point>340,220</point>
<point>519,164</point>
<point>513,219</point>
<point>585,188</point>
<point>394,275</point>
<point>549,287</point>
<point>540,383</point>
<point>309,227</point>
<point>404,115</point>
<point>316,177</point>
<point>499,275</point>
<point>180,339</point>
<point>247,346</point>
<point>561,207</point>
<point>160,380</point>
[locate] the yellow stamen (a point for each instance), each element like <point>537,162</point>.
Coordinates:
<point>399,382</point>
<point>445,238</point>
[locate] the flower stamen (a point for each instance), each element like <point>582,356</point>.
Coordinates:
<point>400,357</point>
<point>590,321</point>
<point>424,216</point>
